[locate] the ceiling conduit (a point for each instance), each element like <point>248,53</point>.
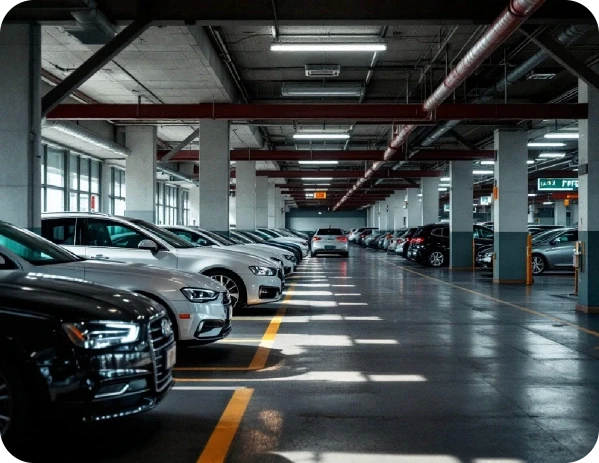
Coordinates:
<point>516,13</point>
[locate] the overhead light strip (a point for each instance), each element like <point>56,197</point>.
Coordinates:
<point>342,47</point>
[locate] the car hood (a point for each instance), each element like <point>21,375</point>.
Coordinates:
<point>258,252</point>
<point>225,255</point>
<point>111,273</point>
<point>69,299</point>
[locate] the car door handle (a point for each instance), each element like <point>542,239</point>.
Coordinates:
<point>100,256</point>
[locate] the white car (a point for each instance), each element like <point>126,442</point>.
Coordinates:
<point>197,305</point>
<point>207,238</point>
<point>275,235</point>
<point>329,241</point>
<point>250,280</point>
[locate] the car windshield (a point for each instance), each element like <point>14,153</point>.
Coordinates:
<point>329,231</point>
<point>270,233</point>
<point>236,238</point>
<point>165,235</point>
<point>545,235</point>
<point>218,238</point>
<point>33,248</point>
<point>257,235</point>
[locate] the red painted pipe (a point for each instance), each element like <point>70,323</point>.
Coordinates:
<point>504,26</point>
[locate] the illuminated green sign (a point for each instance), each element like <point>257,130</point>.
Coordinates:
<point>558,184</point>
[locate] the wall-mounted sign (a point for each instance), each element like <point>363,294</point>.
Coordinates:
<point>486,200</point>
<point>320,195</point>
<point>557,184</point>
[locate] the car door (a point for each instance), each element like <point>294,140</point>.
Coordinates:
<point>64,232</point>
<point>563,249</point>
<point>110,240</point>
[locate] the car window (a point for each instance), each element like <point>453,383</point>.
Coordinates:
<point>481,232</point>
<point>218,238</point>
<point>419,232</point>
<point>163,234</point>
<point>59,231</point>
<point>106,233</point>
<point>441,231</point>
<point>7,264</point>
<point>329,232</point>
<point>568,237</point>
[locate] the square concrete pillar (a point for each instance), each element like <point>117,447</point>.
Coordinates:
<point>245,194</point>
<point>430,200</point>
<point>272,204</point>
<point>140,172</point>
<point>414,208</point>
<point>460,215</point>
<point>399,216</point>
<point>261,202</point>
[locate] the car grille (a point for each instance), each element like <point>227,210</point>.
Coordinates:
<point>226,298</point>
<point>160,343</point>
<point>281,275</point>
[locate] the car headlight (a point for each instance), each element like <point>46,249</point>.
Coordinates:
<point>101,334</point>
<point>489,254</point>
<point>263,271</point>
<point>199,294</point>
<point>278,261</point>
<point>289,257</point>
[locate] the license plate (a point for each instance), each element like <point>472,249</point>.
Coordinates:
<point>171,357</point>
<point>329,247</point>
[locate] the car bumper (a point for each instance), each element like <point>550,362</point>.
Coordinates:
<point>204,322</point>
<point>332,247</point>
<point>256,285</point>
<point>416,254</point>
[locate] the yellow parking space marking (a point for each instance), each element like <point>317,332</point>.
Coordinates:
<point>509,304</point>
<point>261,356</point>
<point>220,441</point>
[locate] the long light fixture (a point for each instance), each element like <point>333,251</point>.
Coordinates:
<point>316,189</point>
<point>320,91</point>
<point>530,161</point>
<point>319,162</point>
<point>442,189</point>
<point>304,47</point>
<point>444,185</point>
<point>548,203</point>
<point>555,155</point>
<point>487,163</point>
<point>542,144</point>
<point>482,172</point>
<point>445,179</point>
<point>317,178</point>
<point>531,195</point>
<point>321,136</point>
<point>562,135</point>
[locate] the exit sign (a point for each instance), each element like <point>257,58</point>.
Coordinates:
<point>557,184</point>
<point>320,195</point>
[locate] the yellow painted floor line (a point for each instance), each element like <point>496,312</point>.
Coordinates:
<point>220,441</point>
<point>261,356</point>
<point>510,304</point>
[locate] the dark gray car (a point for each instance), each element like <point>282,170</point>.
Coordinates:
<point>555,252</point>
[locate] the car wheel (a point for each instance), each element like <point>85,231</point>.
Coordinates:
<point>539,264</point>
<point>234,285</point>
<point>14,411</point>
<point>436,259</point>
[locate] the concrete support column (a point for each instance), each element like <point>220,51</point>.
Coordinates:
<point>390,202</point>
<point>559,213</point>
<point>140,172</point>
<point>460,214</point>
<point>383,215</point>
<point>588,204</point>
<point>399,215</point>
<point>279,210</point>
<point>511,207</point>
<point>271,199</point>
<point>245,194</point>
<point>430,200</point>
<point>372,212</point>
<point>262,202</point>
<point>214,175</point>
<point>20,125</point>
<point>414,208</point>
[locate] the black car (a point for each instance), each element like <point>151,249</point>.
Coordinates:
<point>78,350</point>
<point>365,234</point>
<point>430,243</point>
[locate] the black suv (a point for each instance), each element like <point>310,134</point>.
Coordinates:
<point>78,350</point>
<point>430,243</point>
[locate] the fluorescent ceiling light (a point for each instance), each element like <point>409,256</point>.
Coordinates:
<point>321,136</point>
<point>420,195</point>
<point>445,179</point>
<point>319,162</point>
<point>320,91</point>
<point>530,161</point>
<point>552,155</point>
<point>531,195</point>
<point>562,135</point>
<point>574,170</point>
<point>316,189</point>
<point>328,47</point>
<point>487,163</point>
<point>444,185</point>
<point>482,172</point>
<point>547,203</point>
<point>317,178</point>
<point>442,189</point>
<point>545,144</point>
<point>309,195</point>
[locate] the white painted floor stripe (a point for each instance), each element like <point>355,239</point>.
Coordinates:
<point>207,388</point>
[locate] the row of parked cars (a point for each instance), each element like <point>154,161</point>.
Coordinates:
<point>92,311</point>
<point>553,245</point>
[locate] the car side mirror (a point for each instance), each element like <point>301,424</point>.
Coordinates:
<point>2,260</point>
<point>148,245</point>
<point>553,242</point>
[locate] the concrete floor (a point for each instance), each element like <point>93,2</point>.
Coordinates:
<point>375,360</point>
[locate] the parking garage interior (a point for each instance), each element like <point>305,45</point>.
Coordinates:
<point>252,117</point>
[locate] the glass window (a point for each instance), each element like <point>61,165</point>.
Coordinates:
<point>117,191</point>
<point>84,202</point>
<point>95,177</point>
<point>55,168</point>
<point>54,200</point>
<point>112,234</point>
<point>84,174</point>
<point>74,172</point>
<point>59,231</point>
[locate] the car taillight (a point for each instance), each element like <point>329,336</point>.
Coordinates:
<point>316,238</point>
<point>417,240</point>
<point>342,238</point>
<point>362,236</point>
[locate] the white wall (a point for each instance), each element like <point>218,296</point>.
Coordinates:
<point>311,220</point>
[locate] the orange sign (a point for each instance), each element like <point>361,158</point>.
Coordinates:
<point>320,195</point>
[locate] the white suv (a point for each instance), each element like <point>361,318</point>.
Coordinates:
<point>250,280</point>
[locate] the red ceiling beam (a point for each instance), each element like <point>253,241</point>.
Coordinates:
<point>450,155</point>
<point>404,113</point>
<point>345,173</point>
<point>333,184</point>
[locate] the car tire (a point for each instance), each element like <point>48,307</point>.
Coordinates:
<point>234,285</point>
<point>539,264</point>
<point>13,405</point>
<point>435,259</point>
